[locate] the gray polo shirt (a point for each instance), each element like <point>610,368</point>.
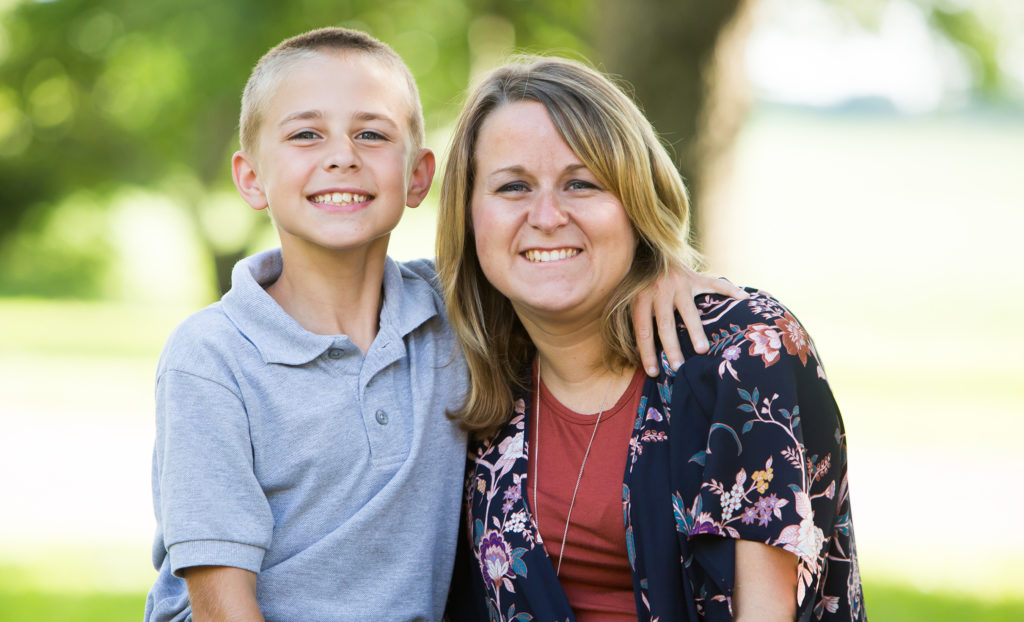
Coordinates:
<point>334,475</point>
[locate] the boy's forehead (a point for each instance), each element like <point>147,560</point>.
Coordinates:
<point>343,78</point>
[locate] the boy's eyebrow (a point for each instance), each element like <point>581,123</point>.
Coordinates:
<point>307,115</point>
<point>374,116</point>
<point>302,115</point>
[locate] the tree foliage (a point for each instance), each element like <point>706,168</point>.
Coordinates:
<point>100,94</point>
<point>97,95</point>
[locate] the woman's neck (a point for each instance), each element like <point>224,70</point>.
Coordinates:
<point>573,368</point>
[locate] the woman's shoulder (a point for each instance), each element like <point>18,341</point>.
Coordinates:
<point>760,328</point>
<point>717,310</point>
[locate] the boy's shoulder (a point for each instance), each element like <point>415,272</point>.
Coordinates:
<point>197,339</point>
<point>422,270</point>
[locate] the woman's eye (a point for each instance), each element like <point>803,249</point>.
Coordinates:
<point>514,186</point>
<point>370,135</point>
<point>579,184</point>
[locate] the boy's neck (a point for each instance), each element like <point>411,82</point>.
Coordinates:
<point>331,293</point>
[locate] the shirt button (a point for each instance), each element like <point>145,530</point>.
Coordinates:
<point>382,417</point>
<point>335,353</point>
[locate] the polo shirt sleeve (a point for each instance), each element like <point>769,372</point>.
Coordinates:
<point>210,505</point>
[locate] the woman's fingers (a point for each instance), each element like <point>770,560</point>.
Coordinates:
<point>642,327</point>
<point>711,285</point>
<point>674,292</point>
<point>665,316</point>
<point>694,326</point>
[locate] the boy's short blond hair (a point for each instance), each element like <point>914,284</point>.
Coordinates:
<point>267,73</point>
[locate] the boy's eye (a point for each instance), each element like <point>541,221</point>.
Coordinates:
<point>514,186</point>
<point>304,135</point>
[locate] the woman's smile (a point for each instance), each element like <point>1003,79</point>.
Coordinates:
<point>546,256</point>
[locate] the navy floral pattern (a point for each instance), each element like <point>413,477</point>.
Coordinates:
<point>757,451</point>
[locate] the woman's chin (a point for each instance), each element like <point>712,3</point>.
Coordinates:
<point>558,307</point>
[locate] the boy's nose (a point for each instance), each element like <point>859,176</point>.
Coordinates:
<point>342,155</point>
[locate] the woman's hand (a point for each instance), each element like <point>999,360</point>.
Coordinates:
<point>674,292</point>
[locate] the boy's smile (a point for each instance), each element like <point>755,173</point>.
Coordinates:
<point>333,164</point>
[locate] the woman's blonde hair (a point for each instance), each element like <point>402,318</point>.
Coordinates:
<point>609,134</point>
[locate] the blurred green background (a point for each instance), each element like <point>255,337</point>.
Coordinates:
<point>860,159</point>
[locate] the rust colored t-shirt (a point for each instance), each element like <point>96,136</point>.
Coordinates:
<point>595,570</point>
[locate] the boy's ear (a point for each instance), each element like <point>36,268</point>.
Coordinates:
<point>243,171</point>
<point>422,177</point>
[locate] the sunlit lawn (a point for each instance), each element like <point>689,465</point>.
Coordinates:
<point>886,601</point>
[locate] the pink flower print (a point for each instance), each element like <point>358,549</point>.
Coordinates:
<point>494,558</point>
<point>794,337</point>
<point>805,539</point>
<point>510,450</point>
<point>520,406</point>
<point>810,539</point>
<point>765,342</point>
<point>749,515</point>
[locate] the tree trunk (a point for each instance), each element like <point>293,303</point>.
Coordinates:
<point>684,59</point>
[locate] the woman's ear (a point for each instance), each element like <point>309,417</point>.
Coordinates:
<point>421,179</point>
<point>247,180</point>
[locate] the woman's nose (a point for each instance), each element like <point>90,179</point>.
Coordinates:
<point>547,212</point>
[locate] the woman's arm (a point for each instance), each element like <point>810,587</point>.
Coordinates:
<point>670,293</point>
<point>765,587</point>
<point>222,594</point>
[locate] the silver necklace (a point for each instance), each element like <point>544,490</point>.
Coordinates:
<point>579,478</point>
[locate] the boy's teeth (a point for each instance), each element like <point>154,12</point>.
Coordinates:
<point>537,256</point>
<point>339,198</point>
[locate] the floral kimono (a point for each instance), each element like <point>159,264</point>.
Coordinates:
<point>743,442</point>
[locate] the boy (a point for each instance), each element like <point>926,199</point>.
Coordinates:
<point>301,429</point>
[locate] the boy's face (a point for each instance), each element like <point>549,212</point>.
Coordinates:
<point>334,163</point>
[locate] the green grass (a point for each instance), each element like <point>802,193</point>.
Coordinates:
<point>46,606</point>
<point>885,601</point>
<point>894,601</point>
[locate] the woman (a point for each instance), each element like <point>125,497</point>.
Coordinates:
<point>715,492</point>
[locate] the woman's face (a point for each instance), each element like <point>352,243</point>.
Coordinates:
<point>549,235</point>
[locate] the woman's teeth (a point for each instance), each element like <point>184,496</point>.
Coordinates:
<point>537,256</point>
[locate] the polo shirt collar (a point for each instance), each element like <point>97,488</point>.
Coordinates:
<point>408,303</point>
